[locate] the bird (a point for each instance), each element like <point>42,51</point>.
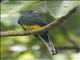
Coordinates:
<point>30,20</point>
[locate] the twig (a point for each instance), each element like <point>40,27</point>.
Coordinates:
<point>67,48</point>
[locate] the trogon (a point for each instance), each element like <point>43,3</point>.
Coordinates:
<point>30,20</point>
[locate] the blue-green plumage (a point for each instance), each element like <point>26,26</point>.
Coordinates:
<point>31,20</point>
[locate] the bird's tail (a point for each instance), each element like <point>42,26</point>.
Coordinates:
<point>49,44</point>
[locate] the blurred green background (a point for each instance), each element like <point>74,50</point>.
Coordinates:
<point>31,48</point>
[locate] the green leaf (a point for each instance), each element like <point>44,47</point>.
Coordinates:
<point>60,8</point>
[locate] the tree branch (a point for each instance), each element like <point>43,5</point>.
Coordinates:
<point>76,49</point>
<point>52,24</point>
<point>67,48</point>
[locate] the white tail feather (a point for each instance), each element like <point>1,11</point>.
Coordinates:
<point>49,45</point>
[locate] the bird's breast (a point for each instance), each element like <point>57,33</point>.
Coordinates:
<point>31,27</point>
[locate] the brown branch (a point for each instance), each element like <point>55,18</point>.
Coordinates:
<point>67,48</point>
<point>63,48</point>
<point>29,32</point>
<point>76,49</point>
<point>52,24</point>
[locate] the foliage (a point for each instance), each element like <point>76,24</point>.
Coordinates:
<point>29,47</point>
